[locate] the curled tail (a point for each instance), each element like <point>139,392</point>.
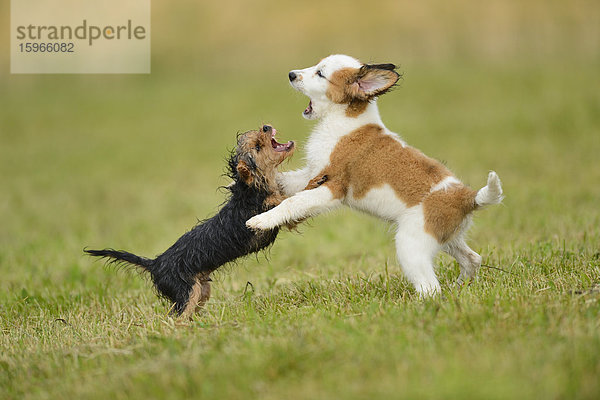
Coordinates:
<point>118,256</point>
<point>491,193</point>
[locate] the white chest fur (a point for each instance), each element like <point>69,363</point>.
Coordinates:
<point>328,132</point>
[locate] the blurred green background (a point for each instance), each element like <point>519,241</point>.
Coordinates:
<point>131,161</point>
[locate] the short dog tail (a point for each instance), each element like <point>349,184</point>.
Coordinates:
<point>491,193</point>
<point>118,256</point>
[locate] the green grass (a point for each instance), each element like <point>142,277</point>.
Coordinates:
<point>131,162</point>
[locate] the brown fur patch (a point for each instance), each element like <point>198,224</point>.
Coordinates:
<point>258,160</point>
<point>367,158</point>
<point>275,199</point>
<point>346,86</point>
<point>195,295</point>
<point>257,146</point>
<point>258,163</point>
<point>340,83</point>
<point>205,296</point>
<point>316,182</point>
<point>356,107</point>
<point>445,210</point>
<point>199,295</point>
<point>341,91</point>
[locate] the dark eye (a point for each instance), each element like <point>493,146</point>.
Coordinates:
<point>320,74</point>
<point>257,147</point>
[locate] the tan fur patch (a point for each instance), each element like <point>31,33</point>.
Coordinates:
<point>316,182</point>
<point>205,296</point>
<point>445,210</point>
<point>275,199</point>
<point>199,295</point>
<point>349,86</point>
<point>195,295</point>
<point>266,160</point>
<point>356,107</point>
<point>258,160</point>
<point>341,91</point>
<point>367,158</point>
<point>340,83</point>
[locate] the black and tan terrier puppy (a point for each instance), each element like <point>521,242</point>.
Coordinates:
<point>182,272</point>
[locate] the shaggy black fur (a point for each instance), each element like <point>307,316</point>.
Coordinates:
<point>210,244</point>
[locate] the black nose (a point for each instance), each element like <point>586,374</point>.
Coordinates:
<point>292,76</point>
<point>266,128</point>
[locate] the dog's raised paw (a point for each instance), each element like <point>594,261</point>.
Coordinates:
<point>259,223</point>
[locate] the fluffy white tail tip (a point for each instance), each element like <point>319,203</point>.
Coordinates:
<point>491,193</point>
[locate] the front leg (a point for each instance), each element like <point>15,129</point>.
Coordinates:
<point>293,182</point>
<point>307,203</point>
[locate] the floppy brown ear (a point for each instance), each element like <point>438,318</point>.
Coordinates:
<point>245,172</point>
<point>374,80</point>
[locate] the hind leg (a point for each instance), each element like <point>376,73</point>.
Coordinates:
<point>205,296</point>
<point>468,260</point>
<point>416,251</point>
<point>199,295</point>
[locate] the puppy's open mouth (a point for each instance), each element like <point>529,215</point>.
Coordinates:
<point>308,111</point>
<point>279,147</point>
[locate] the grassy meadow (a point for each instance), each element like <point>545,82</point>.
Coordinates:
<point>133,161</point>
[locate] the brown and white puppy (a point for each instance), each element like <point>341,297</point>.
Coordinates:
<point>370,168</point>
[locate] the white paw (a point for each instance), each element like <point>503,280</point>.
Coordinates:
<point>261,222</point>
<point>426,290</point>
